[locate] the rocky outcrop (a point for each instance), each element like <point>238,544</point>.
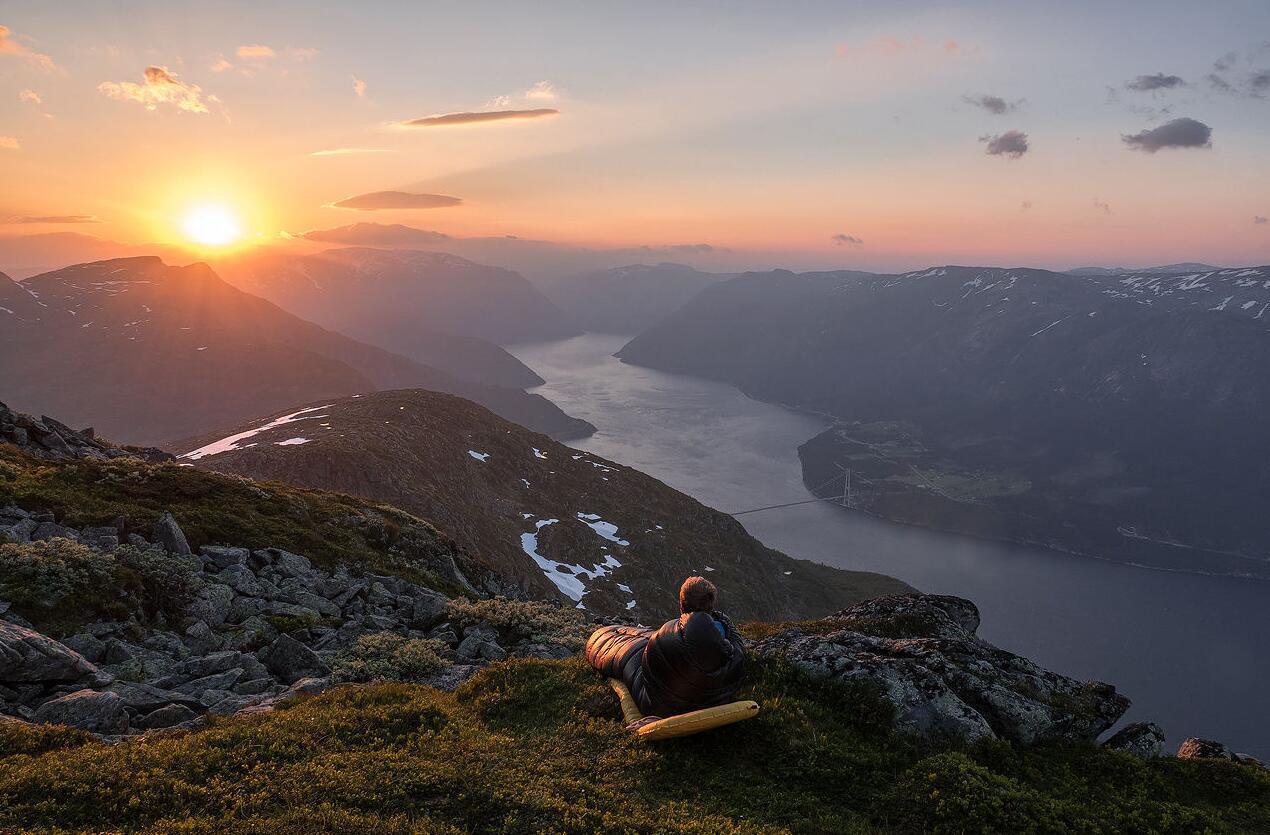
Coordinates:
<point>1144,740</point>
<point>29,658</point>
<point>51,440</point>
<point>100,712</point>
<point>921,652</point>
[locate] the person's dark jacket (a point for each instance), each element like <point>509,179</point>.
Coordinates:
<point>687,664</point>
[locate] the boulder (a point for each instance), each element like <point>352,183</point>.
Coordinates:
<point>921,652</point>
<point>206,665</point>
<point>312,685</point>
<point>200,639</point>
<point>1196,748</point>
<point>89,646</point>
<point>146,698</point>
<point>1144,740</point>
<point>169,535</point>
<point>28,656</point>
<point>289,660</point>
<point>222,557</point>
<point>427,609</point>
<point>217,681</point>
<point>91,710</point>
<point>212,604</point>
<point>166,717</point>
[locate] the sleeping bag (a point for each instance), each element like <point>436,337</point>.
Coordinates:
<point>692,662</point>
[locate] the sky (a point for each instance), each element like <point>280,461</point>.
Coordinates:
<point>874,135</point>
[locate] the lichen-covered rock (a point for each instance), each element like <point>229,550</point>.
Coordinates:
<point>90,710</point>
<point>168,534</point>
<point>1144,740</point>
<point>166,717</point>
<point>922,653</point>
<point>1197,748</point>
<point>289,660</point>
<point>28,656</point>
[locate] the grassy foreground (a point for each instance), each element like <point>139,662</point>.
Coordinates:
<point>533,746</point>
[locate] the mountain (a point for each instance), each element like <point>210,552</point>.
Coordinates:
<point>147,352</point>
<point>1015,404</point>
<point>628,299</point>
<point>406,300</point>
<point>1167,269</point>
<point>564,523</point>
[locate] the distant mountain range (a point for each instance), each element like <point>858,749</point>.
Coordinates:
<point>627,300</point>
<point>565,524</point>
<point>1188,267</point>
<point>404,300</point>
<point>146,352</point>
<point>1120,416</point>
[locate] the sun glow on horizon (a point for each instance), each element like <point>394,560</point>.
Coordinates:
<point>211,225</point>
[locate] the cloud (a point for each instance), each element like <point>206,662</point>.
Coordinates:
<point>1259,220</point>
<point>220,64</point>
<point>542,91</point>
<point>993,104</point>
<point>346,152</point>
<point>376,200</point>
<point>375,234</point>
<point>255,51</point>
<point>1253,82</point>
<point>30,97</point>
<point>11,44</point>
<point>1151,83</point>
<point>50,219</point>
<point>479,116</point>
<point>1179,133</point>
<point>160,87</point>
<point>1025,206</point>
<point>1103,205</point>
<point>359,87</point>
<point>9,143</point>
<point>1012,143</point>
<point>843,239</point>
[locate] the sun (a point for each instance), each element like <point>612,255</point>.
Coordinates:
<point>211,225</point>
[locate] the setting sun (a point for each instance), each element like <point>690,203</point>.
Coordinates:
<point>211,226</point>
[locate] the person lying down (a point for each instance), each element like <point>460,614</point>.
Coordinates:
<point>692,662</point>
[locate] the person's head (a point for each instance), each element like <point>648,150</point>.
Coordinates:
<point>697,594</point>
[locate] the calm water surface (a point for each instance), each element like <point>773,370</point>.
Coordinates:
<point>1191,651</point>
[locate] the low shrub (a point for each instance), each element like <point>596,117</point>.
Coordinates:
<point>387,656</point>
<point>523,620</point>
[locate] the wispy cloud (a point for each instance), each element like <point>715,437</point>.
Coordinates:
<point>359,87</point>
<point>1102,205</point>
<point>257,50</point>
<point>377,200</point>
<point>9,143</point>
<point>477,117</point>
<point>1259,220</point>
<point>843,239</point>
<point>541,91</point>
<point>1025,206</point>
<point>50,219</point>
<point>14,44</point>
<point>1012,144</point>
<point>159,87</point>
<point>30,97</point>
<point>1152,83</point>
<point>345,152</point>
<point>993,104</point>
<point>221,64</point>
<point>1179,133</point>
<point>1242,74</point>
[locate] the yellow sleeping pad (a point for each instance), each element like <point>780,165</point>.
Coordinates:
<point>685,724</point>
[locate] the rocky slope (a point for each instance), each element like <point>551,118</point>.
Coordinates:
<point>408,301</point>
<point>1108,415</point>
<point>145,353</point>
<point>563,523</point>
<point>628,299</point>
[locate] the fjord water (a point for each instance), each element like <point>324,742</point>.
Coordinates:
<point>1189,650</point>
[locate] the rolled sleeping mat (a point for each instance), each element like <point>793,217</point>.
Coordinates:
<point>684,724</point>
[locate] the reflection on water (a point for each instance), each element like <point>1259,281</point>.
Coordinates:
<point>1186,648</point>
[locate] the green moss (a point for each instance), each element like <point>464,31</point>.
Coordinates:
<point>534,746</point>
<point>386,656</point>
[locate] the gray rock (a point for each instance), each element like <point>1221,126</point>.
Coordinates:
<point>213,697</point>
<point>200,638</point>
<point>216,662</point>
<point>470,647</point>
<point>1144,740</point>
<point>451,677</point>
<point>253,687</point>
<point>89,646</point>
<point>241,579</point>
<point>217,681</point>
<point>312,685</point>
<point>20,530</point>
<point>166,717</point>
<point>291,565</point>
<point>445,632</point>
<point>144,698</point>
<point>321,605</point>
<point>1196,748</point>
<point>168,534</point>
<point>922,653</point>
<point>116,651</point>
<point>232,703</point>
<point>52,530</point>
<point>427,609</point>
<point>492,651</point>
<point>28,656</point>
<point>289,660</point>
<point>91,710</point>
<point>291,610</point>
<point>222,557</point>
<point>167,643</point>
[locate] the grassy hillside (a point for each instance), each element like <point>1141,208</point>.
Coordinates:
<point>536,746</point>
